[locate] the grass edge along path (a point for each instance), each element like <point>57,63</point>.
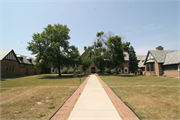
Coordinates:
<point>64,111</point>
<point>150,97</point>
<point>124,111</point>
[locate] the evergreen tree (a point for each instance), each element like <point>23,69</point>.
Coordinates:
<point>133,63</point>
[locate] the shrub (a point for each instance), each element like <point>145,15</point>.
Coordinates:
<point>139,71</point>
<point>98,71</point>
<point>77,71</point>
<point>64,71</point>
<point>113,71</point>
<point>107,71</point>
<point>70,71</point>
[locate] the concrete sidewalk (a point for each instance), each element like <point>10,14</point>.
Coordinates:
<point>94,103</point>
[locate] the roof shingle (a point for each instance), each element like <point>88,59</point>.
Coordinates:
<point>172,58</point>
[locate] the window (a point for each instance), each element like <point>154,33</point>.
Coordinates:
<point>120,71</point>
<point>170,67</point>
<point>31,66</point>
<point>6,68</point>
<point>9,68</point>
<point>21,65</point>
<point>147,67</point>
<point>150,67</point>
<point>12,68</point>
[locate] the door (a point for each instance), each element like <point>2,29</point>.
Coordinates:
<point>93,70</point>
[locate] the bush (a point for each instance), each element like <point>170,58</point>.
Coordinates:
<point>64,71</point>
<point>70,71</point>
<point>77,71</point>
<point>98,71</point>
<point>113,71</point>
<point>139,71</point>
<point>107,71</point>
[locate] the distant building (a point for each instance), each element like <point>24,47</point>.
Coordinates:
<point>161,62</point>
<point>141,59</point>
<point>13,65</point>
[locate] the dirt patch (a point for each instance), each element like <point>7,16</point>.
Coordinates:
<point>125,112</point>
<point>64,112</point>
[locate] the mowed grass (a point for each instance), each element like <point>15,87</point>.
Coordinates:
<point>149,97</point>
<point>35,97</point>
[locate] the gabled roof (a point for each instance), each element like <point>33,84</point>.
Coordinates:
<point>85,54</point>
<point>172,58</point>
<point>81,52</point>
<point>3,53</point>
<point>126,56</point>
<point>141,59</point>
<point>159,55</point>
<point>25,59</point>
<point>8,54</point>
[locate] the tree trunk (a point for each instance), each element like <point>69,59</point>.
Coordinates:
<point>59,71</point>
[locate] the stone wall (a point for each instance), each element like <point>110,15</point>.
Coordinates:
<point>171,73</point>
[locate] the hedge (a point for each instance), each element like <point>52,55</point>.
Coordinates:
<point>70,71</point>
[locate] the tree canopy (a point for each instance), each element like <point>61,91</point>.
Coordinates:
<point>52,46</point>
<point>116,49</point>
<point>86,62</point>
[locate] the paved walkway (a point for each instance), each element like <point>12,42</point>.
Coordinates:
<point>94,103</point>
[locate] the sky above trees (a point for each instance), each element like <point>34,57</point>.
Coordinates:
<point>146,24</point>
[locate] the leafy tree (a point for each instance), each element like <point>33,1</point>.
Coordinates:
<point>74,57</point>
<point>133,62</point>
<point>52,46</point>
<point>97,53</point>
<point>116,48</point>
<point>86,62</point>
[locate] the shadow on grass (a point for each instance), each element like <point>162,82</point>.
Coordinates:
<point>120,75</point>
<point>64,76</point>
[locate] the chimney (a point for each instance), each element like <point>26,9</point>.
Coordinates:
<point>85,47</point>
<point>159,48</point>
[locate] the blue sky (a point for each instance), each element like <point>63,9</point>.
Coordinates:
<point>146,24</point>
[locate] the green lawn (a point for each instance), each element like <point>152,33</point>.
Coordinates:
<point>150,97</point>
<point>35,97</point>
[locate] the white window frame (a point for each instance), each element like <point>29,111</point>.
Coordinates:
<point>119,69</point>
<point>52,70</point>
<point>127,70</point>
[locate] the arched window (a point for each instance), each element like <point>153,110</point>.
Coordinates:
<point>120,70</point>
<point>126,70</point>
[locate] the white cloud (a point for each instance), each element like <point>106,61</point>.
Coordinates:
<point>152,27</point>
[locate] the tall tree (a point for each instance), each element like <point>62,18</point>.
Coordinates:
<point>116,49</point>
<point>133,62</point>
<point>86,62</point>
<point>97,53</point>
<point>52,46</point>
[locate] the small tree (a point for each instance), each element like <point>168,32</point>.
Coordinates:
<point>133,63</point>
<point>86,62</point>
